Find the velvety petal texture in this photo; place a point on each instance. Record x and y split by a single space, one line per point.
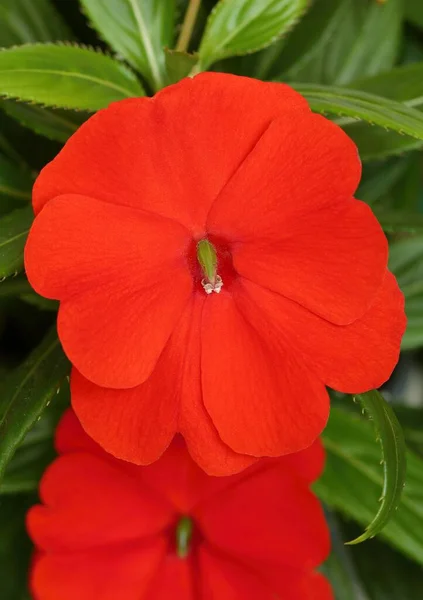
306 299
110 268
108 530
154 154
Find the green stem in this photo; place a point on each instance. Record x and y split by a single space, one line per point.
188 26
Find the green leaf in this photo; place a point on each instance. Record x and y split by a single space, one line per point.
314 31
394 221
65 76
406 260
14 286
406 263
243 26
360 38
15 186
360 105
15 547
391 437
138 30
27 392
353 479
26 21
376 43
403 84
414 12
374 143
14 229
339 567
411 419
179 64
19 287
372 571
379 178
36 451
56 124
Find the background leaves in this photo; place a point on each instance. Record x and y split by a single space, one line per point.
26 392
14 229
353 480
243 26
138 30
65 76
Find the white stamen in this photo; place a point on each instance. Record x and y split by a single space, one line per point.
212 287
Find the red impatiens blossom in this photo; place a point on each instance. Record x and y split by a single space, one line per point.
111 530
244 168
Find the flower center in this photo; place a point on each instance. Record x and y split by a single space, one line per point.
207 257
184 530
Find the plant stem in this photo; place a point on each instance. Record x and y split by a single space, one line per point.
188 26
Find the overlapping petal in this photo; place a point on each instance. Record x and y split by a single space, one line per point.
175 579
293 225
251 388
353 358
114 269
155 153
125 422
241 375
123 571
195 423
236 520
224 577
107 529
125 509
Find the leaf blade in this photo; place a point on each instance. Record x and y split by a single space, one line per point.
394 460
364 106
15 186
55 124
22 22
353 478
138 30
240 27
14 228
27 391
65 76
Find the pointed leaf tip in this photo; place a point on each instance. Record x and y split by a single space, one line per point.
394 460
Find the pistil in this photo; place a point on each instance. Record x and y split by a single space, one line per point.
207 257
183 536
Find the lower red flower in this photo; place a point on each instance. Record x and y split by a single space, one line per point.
111 530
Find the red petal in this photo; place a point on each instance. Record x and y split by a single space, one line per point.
225 579
203 441
121 572
155 153
301 234
271 516
138 424
261 398
296 584
176 477
175 580
125 509
307 464
70 436
115 270
354 358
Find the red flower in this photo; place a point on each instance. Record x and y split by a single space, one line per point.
107 529
306 300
